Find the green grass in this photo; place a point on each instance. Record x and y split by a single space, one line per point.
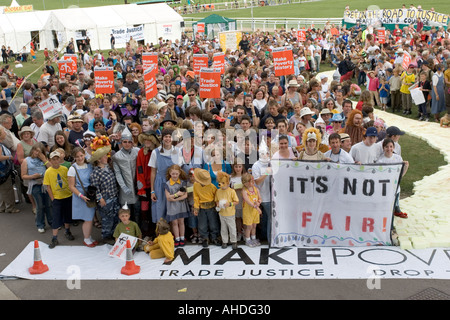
413 150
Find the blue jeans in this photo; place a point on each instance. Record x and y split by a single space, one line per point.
208 223
43 206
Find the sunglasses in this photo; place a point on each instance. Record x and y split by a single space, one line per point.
127 141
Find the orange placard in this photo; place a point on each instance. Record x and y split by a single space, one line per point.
381 35
201 27
104 80
219 61
301 35
283 61
209 83
74 59
200 61
150 83
149 59
406 60
64 67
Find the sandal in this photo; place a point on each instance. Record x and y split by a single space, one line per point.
97 224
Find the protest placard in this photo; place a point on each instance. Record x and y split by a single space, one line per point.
283 61
104 80
209 83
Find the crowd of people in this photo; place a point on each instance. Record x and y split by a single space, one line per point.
164 158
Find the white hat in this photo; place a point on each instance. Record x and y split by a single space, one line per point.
305 111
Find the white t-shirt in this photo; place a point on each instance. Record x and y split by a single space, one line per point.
259 169
72 172
341 157
364 154
47 133
164 152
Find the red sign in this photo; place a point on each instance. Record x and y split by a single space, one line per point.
73 58
209 83
104 80
283 61
301 35
219 61
200 61
150 83
149 59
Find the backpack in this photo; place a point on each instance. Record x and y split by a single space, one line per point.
6 166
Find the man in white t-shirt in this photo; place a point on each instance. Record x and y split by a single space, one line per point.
336 153
366 151
48 130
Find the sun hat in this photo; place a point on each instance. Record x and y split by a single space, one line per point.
149 135
344 136
26 129
305 111
202 176
101 146
293 83
337 117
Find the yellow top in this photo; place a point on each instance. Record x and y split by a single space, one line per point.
57 180
230 196
408 78
203 194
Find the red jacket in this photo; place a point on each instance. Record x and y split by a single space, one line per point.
143 171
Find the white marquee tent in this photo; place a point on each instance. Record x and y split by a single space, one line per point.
55 28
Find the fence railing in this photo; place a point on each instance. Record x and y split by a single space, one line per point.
271 24
215 5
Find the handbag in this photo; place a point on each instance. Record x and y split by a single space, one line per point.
91 193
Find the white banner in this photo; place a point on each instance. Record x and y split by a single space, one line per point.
332 204
122 35
396 16
193 263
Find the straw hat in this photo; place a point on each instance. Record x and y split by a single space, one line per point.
202 176
26 129
293 83
99 153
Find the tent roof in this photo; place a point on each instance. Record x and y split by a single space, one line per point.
74 19
161 12
133 14
215 18
104 16
28 21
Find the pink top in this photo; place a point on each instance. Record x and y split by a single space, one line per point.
373 84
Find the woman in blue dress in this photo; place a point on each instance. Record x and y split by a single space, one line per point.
438 92
160 160
216 164
79 180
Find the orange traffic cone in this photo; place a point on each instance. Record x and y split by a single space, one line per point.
38 266
130 267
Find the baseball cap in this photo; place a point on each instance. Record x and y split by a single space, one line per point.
394 131
179 97
54 154
371 132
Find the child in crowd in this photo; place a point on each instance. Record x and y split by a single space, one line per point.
55 179
236 184
395 82
177 204
192 220
384 92
205 207
408 79
425 87
127 226
250 209
226 200
163 246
